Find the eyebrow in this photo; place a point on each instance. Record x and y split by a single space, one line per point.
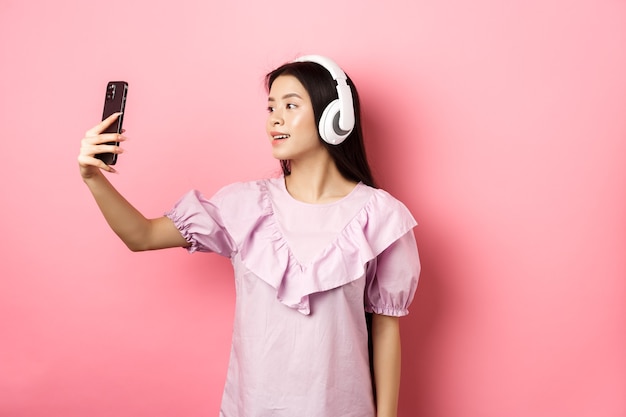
285 96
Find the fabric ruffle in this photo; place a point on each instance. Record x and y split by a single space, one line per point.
200 223
264 251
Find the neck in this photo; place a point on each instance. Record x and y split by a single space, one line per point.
317 183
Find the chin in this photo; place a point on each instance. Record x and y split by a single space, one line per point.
280 155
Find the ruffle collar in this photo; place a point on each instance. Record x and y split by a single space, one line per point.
380 222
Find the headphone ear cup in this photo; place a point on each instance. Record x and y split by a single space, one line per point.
329 128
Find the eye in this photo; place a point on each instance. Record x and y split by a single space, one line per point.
270 109
291 106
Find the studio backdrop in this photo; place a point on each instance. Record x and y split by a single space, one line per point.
501 125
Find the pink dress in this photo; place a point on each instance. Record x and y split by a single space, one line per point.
305 275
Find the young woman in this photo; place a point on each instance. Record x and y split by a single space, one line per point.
314 251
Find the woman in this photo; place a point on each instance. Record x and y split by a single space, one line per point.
313 251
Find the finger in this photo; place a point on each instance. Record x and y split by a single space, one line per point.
101 127
109 149
86 161
104 138
90 150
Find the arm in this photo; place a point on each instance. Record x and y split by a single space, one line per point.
135 230
386 347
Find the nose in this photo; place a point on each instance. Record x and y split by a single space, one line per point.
276 118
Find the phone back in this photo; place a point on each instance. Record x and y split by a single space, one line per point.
114 102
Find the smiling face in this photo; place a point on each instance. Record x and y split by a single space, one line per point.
291 126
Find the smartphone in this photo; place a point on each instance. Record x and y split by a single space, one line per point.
114 102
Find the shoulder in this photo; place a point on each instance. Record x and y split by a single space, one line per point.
242 190
385 220
241 202
383 203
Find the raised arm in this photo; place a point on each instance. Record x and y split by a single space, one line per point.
135 230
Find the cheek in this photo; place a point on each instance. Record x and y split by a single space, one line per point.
268 123
305 121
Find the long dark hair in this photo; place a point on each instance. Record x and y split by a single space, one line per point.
349 156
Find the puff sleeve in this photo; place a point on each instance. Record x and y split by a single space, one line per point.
392 278
200 222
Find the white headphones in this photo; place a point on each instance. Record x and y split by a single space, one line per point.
337 120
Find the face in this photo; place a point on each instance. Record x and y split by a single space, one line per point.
291 126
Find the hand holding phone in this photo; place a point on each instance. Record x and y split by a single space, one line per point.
114 102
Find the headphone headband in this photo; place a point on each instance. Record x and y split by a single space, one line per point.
338 118
331 66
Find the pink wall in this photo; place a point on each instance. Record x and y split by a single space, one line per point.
500 124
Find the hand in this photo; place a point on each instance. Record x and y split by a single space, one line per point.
94 143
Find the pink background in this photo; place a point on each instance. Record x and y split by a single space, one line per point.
500 124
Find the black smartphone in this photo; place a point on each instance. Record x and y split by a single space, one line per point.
114 102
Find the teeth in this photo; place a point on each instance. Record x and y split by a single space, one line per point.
281 137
